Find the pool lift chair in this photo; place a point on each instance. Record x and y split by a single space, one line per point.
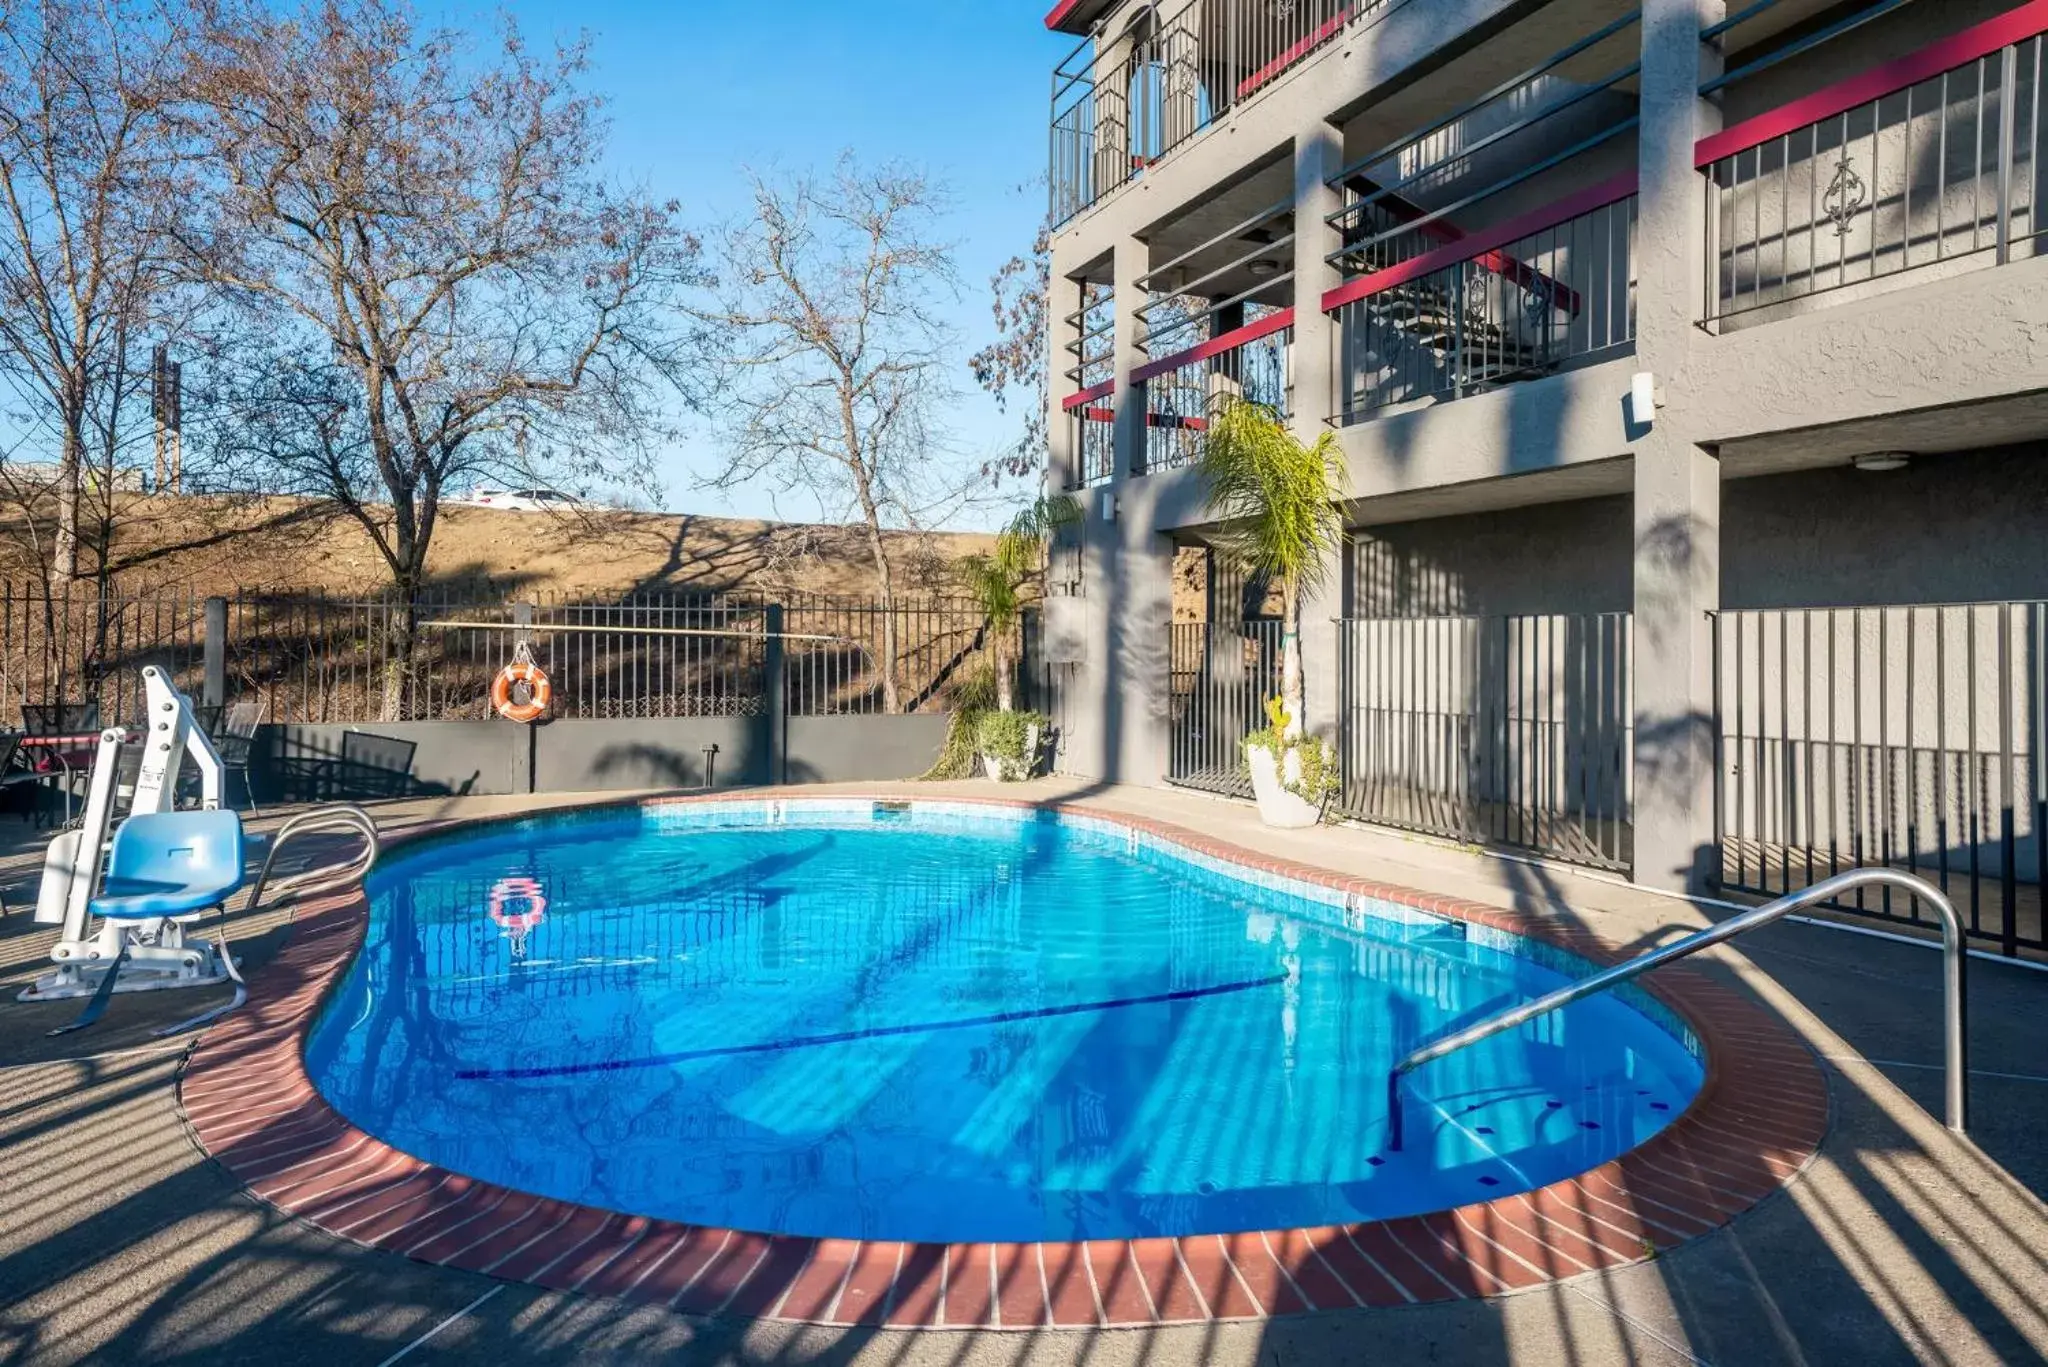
149 883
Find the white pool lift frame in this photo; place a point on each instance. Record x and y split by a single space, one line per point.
158 952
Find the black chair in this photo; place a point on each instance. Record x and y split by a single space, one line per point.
15 769
234 739
375 766
57 765
60 718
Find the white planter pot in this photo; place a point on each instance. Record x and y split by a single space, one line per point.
1013 770
1277 806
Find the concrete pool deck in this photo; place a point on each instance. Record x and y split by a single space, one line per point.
121 1241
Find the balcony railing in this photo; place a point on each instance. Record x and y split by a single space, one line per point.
1184 391
1515 302
1932 160
1093 418
1122 101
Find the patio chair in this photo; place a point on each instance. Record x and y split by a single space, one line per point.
376 766
15 769
55 765
234 739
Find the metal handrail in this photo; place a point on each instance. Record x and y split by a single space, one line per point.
315 883
1955 1047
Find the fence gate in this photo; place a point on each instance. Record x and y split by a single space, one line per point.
1497 730
1222 674
1906 737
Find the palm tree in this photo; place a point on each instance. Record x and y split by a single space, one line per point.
1277 499
996 581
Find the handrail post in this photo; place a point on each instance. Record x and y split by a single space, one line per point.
1955 1047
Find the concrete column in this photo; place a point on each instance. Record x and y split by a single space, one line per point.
1062 299
1129 263
214 689
1318 155
1677 567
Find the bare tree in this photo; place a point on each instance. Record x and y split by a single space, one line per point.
1016 360
833 357
92 173
446 286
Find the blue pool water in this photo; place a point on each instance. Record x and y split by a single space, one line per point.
955 1024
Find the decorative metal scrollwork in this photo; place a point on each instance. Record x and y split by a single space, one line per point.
1845 197
1539 297
1477 300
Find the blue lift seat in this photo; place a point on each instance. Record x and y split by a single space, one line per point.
172 864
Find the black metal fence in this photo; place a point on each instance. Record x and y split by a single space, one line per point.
1222 675
1501 730
1907 737
313 657
87 649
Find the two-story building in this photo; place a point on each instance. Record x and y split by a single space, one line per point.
1690 364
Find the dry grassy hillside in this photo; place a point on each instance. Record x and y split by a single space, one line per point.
218 544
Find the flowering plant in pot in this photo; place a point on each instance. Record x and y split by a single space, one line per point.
1291 779
1276 498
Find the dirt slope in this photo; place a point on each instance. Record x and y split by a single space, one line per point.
216 545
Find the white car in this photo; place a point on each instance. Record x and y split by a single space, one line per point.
522 500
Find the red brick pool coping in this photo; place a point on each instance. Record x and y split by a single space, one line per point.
1759 1116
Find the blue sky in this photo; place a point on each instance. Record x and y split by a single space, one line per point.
701 88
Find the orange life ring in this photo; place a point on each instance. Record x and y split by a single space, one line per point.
510 890
539 692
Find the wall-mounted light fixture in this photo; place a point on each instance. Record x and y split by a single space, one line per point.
1109 502
1876 462
1642 399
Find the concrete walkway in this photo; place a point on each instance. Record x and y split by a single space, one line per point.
121 1242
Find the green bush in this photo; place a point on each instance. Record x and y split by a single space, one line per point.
972 701
1010 735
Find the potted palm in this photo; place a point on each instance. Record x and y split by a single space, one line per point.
998 581
1275 496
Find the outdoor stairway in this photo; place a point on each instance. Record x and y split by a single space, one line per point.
1424 315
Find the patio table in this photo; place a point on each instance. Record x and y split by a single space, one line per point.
60 756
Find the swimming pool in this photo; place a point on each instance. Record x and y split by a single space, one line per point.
949 1022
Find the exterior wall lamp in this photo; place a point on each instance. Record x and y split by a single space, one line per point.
1642 399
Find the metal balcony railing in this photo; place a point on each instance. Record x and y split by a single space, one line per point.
1094 436
1931 160
1184 391
1512 303
1123 100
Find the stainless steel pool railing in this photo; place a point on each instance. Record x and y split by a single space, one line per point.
1955 1047
314 883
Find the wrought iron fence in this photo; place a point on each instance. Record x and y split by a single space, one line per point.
1499 730
1943 170
1431 327
836 648
318 658
86 649
1905 737
1122 101
1221 676
311 657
